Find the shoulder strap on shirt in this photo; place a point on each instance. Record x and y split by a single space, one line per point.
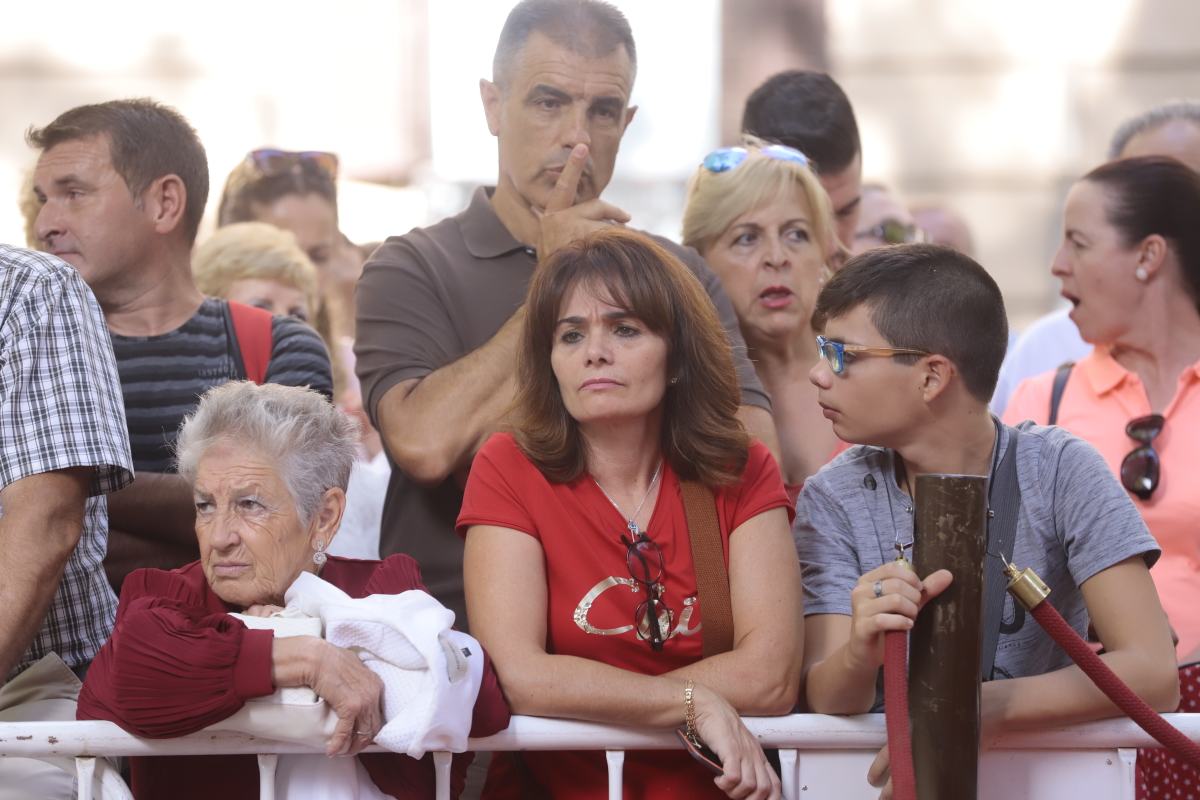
251 339
708 560
1061 376
1005 502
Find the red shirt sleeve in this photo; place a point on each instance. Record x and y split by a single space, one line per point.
493 495
760 489
173 665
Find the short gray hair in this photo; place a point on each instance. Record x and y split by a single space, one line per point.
1150 120
312 442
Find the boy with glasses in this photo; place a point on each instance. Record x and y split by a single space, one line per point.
913 340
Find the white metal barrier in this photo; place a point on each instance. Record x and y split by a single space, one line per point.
821 756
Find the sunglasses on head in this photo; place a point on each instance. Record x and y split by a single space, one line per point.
1141 468
893 231
726 158
271 162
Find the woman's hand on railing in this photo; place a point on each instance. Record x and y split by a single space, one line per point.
353 691
262 610
888 598
747 773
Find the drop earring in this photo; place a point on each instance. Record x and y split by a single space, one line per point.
319 557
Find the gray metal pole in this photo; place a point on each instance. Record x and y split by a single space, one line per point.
950 532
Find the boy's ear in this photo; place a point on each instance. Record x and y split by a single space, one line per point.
935 375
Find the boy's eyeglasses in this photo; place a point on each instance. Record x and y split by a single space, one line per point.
834 352
1141 468
893 231
727 158
271 162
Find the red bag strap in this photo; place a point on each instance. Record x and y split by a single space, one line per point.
252 330
708 559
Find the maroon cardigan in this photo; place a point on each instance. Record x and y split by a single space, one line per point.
177 662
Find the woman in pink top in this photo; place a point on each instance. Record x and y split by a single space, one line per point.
759 216
1130 265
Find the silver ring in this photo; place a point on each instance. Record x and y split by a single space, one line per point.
878 588
362 733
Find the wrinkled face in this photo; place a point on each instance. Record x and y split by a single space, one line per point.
88 217
882 208
1096 268
852 400
271 295
312 220
610 367
845 197
770 266
552 100
252 542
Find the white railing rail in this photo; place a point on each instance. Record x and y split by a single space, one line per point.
818 753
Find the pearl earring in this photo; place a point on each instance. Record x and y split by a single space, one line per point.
1141 274
319 557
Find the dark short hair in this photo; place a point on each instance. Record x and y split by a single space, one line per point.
146 141
702 437
1155 195
247 187
808 111
927 297
589 27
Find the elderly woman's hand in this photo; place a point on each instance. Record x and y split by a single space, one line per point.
353 691
747 773
262 610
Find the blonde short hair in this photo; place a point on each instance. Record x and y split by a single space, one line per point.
716 199
254 250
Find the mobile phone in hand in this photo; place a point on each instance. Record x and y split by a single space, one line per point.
701 752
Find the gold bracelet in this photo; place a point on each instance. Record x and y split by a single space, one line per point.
689 710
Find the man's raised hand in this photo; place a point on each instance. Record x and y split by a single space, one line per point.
563 221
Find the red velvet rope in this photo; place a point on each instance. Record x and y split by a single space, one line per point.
1124 698
895 699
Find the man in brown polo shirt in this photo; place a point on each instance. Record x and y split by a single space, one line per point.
440 308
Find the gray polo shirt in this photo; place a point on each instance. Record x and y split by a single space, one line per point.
432 296
1075 520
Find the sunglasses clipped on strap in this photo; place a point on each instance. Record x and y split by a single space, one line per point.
1141 468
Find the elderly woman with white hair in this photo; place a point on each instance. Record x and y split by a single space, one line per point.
269 466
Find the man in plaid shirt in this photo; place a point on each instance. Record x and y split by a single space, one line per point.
63 447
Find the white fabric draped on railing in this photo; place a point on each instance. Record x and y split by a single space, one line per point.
820 756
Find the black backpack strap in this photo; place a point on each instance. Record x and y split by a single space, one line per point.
1005 502
1061 376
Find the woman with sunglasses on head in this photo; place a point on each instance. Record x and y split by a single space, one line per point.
579 568
761 220
1130 266
296 191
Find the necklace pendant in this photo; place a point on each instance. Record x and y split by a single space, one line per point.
634 530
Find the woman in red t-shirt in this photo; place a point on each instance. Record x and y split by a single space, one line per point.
579 571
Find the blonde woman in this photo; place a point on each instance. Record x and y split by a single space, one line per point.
259 265
263 266
760 218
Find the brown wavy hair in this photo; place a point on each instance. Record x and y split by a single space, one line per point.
702 437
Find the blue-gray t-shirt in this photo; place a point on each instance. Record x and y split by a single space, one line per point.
1075 520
